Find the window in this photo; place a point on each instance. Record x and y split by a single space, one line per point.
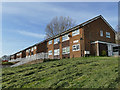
50 52
56 52
50 42
76 41
34 47
27 50
66 50
76 32
56 40
31 49
76 47
101 33
65 37
19 54
107 35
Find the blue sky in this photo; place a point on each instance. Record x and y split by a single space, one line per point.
23 23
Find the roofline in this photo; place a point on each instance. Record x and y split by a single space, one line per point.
108 24
74 28
71 29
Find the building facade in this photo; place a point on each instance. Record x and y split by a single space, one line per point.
92 37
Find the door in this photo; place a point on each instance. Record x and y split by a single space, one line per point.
109 50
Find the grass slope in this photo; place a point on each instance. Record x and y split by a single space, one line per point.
88 72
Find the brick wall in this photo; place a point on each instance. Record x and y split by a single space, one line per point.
92 33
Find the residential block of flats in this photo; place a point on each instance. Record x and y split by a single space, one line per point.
94 37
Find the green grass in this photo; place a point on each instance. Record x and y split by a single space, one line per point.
88 72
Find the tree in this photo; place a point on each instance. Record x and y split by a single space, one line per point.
5 57
118 34
58 25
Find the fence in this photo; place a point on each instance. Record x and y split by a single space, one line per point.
28 59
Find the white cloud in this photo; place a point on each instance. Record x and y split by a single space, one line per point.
32 12
26 33
60 0
39 13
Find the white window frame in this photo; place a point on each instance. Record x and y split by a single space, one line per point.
26 50
75 41
19 54
56 52
50 52
56 40
50 42
101 33
75 46
66 50
65 36
76 32
31 49
107 34
35 47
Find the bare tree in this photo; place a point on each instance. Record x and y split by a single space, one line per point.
58 25
5 57
117 34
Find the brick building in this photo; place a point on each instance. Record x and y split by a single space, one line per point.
89 38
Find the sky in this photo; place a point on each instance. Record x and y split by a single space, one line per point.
24 23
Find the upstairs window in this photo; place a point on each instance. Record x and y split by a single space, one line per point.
76 47
56 40
56 52
50 42
19 54
35 47
76 32
66 50
31 49
107 35
50 52
101 33
65 37
27 50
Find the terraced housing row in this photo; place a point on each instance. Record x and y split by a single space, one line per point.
92 37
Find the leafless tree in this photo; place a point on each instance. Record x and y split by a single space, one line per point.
58 25
5 57
118 34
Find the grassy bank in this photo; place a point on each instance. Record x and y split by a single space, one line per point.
88 72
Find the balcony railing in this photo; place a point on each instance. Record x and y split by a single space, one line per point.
28 59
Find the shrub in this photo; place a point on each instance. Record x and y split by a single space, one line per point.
103 53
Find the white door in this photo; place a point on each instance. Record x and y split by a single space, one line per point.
109 50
